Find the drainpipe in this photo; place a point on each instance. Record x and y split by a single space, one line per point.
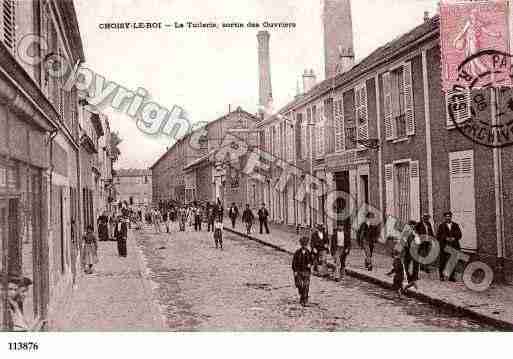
499 202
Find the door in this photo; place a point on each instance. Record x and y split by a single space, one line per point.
463 196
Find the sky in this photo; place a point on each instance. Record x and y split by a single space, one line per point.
207 71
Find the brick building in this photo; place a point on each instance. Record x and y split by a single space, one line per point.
188 171
380 131
133 186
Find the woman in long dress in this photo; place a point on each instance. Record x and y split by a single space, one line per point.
89 250
103 227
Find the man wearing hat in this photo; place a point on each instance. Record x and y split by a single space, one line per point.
301 267
448 235
425 231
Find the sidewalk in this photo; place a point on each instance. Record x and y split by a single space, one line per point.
493 306
116 297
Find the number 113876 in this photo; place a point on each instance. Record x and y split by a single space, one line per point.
23 346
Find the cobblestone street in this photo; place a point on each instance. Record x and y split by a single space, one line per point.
248 286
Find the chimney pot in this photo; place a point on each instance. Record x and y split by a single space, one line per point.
426 16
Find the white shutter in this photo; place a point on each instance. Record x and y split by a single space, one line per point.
408 99
387 107
458 103
362 113
339 125
461 170
389 189
414 191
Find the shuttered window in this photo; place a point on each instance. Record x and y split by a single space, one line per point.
8 24
362 118
402 190
399 115
414 191
461 170
458 104
339 125
389 190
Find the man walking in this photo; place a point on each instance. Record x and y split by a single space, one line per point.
448 235
366 239
247 218
233 213
301 267
340 247
263 214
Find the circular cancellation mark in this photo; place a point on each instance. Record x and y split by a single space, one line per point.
472 106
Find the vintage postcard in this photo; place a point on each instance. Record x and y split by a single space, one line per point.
255 166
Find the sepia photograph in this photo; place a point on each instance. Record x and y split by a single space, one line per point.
255 166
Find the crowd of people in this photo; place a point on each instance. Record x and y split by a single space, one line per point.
314 251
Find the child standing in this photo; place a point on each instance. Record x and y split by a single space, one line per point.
218 233
301 267
89 250
398 271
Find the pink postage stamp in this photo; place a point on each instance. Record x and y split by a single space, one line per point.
467 31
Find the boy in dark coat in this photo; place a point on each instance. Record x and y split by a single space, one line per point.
448 235
398 272
301 266
248 217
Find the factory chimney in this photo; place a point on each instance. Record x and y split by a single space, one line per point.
309 80
264 68
338 37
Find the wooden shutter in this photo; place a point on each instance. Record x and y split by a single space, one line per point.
389 189
8 24
339 125
461 170
362 119
304 142
408 99
458 103
387 107
414 191
321 138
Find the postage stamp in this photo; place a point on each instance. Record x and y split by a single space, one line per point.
480 108
467 28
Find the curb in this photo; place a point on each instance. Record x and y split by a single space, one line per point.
158 318
461 310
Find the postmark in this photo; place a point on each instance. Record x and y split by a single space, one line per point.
481 105
466 29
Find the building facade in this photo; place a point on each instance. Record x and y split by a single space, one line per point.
43 166
133 186
380 132
191 171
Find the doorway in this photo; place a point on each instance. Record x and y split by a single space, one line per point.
342 204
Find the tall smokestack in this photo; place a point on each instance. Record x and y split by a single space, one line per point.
264 68
338 37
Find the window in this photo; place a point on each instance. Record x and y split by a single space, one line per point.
361 114
402 190
398 102
298 136
458 105
339 125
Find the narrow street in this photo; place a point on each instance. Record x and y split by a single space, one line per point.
248 287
